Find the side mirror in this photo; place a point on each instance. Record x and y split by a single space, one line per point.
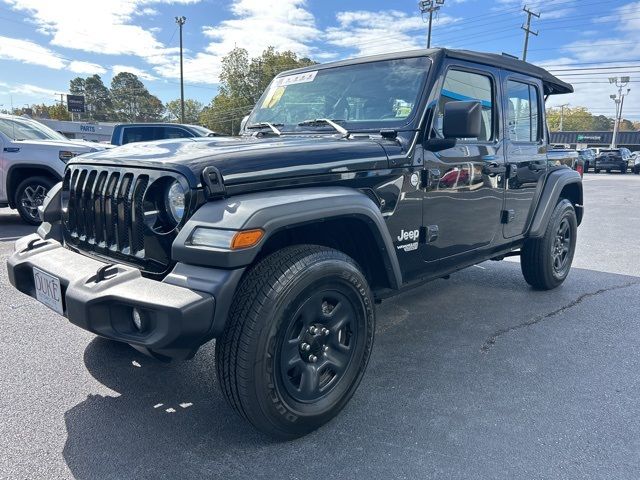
243 123
462 119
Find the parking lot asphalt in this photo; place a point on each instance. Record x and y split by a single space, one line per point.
475 377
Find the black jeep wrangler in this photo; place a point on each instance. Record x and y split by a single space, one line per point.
351 182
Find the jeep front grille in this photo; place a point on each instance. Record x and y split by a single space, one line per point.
104 213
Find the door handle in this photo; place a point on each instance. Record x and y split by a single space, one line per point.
493 168
11 149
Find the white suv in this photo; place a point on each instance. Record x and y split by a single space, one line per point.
32 160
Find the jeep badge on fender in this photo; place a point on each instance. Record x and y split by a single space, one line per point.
279 243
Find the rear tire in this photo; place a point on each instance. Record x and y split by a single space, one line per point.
29 196
623 170
636 169
297 341
546 261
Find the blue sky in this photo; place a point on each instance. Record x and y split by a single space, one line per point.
45 43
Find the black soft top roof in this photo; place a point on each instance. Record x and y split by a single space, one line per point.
552 84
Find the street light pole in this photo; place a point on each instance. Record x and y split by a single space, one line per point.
430 6
181 21
619 101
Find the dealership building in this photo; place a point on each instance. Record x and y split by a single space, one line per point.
630 140
91 131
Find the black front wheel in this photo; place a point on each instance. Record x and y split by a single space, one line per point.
623 169
297 341
546 261
29 195
636 169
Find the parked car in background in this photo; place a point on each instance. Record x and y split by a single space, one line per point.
32 160
635 157
557 157
145 132
613 159
588 156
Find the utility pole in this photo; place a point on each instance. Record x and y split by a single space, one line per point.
180 21
430 6
562 115
619 101
527 30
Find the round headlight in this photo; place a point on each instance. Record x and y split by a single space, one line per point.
175 201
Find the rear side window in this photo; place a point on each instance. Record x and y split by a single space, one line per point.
174 132
464 86
523 116
138 134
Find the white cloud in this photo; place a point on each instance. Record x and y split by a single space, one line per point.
29 52
86 68
592 88
257 24
369 32
33 91
103 27
136 71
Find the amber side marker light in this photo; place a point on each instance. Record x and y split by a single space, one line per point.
246 239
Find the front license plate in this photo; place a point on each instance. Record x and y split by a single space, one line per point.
48 290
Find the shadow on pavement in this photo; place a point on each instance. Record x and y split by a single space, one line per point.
11 225
434 402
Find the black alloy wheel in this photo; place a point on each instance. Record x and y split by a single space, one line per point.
562 248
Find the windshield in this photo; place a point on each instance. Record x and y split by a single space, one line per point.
28 130
369 95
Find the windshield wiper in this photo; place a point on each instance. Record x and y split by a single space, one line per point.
272 126
326 121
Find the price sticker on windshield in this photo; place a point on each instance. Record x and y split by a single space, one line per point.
295 79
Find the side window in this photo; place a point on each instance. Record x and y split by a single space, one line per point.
173 132
137 134
464 86
523 115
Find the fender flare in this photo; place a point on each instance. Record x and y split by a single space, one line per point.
26 166
278 210
555 182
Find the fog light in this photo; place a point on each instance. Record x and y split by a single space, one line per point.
138 319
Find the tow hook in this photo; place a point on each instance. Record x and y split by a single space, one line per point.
103 272
32 245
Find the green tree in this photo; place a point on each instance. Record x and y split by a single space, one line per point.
242 81
59 112
626 125
97 97
132 102
602 123
192 111
574 119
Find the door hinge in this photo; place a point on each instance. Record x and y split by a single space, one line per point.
508 216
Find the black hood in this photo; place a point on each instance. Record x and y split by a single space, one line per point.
248 159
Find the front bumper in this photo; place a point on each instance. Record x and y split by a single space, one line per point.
178 319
